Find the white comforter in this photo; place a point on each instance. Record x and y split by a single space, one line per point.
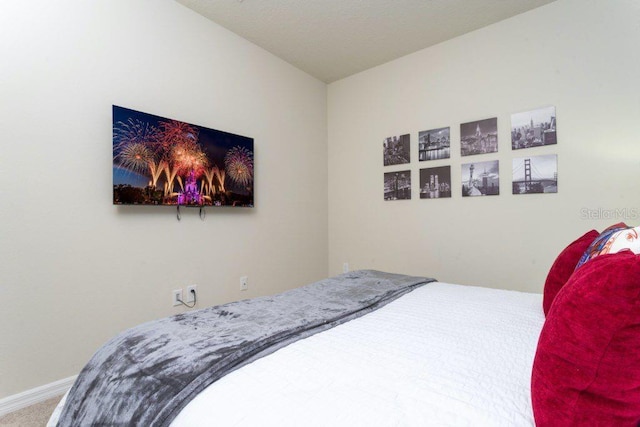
443 355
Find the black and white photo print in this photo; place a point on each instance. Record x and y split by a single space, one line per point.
481 179
396 150
435 183
479 137
535 174
434 144
533 128
397 185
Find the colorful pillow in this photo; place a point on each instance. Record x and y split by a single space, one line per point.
604 244
563 267
586 369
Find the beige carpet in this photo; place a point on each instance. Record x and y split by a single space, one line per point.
32 416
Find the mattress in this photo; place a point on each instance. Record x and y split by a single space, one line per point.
442 355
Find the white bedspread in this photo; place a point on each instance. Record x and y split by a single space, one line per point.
443 355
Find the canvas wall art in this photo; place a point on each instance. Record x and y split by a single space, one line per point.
535 174
479 137
533 128
397 185
481 179
396 150
435 183
434 144
160 161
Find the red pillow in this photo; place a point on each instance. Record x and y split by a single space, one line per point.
563 267
586 369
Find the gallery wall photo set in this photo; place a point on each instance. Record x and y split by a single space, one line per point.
396 150
535 174
533 128
435 183
479 137
434 144
481 179
397 185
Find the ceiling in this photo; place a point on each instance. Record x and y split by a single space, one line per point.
333 39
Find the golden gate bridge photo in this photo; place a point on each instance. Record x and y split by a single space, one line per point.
535 174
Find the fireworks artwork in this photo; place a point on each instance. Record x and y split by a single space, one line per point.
159 161
239 164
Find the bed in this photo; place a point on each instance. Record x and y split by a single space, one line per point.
409 363
444 354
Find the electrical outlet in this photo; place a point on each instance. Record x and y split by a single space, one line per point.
244 283
176 297
345 267
191 296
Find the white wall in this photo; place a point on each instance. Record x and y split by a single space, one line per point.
581 56
75 269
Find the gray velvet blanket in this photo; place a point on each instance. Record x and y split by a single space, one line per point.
147 374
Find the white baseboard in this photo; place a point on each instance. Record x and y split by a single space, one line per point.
35 395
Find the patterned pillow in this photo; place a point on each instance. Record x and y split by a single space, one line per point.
614 239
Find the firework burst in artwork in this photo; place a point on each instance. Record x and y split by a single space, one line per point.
134 146
239 165
187 157
173 132
134 131
136 157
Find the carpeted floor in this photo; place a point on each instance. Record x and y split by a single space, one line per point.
32 416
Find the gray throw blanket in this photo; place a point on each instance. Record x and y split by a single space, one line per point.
147 375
